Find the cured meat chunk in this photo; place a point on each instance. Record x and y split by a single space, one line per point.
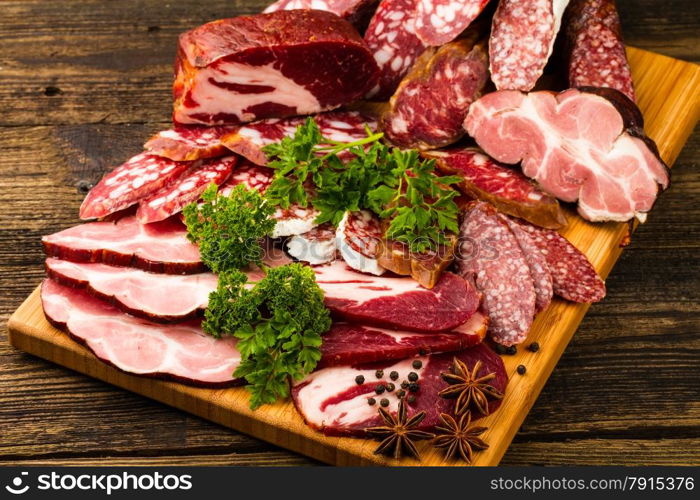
537 262
352 344
253 176
426 268
162 298
172 198
429 107
341 126
188 143
124 186
161 247
280 64
181 352
396 302
316 247
356 12
490 255
441 21
522 39
595 48
505 188
574 277
391 37
358 239
582 144
332 402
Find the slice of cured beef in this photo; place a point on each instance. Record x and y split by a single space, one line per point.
332 402
356 12
317 246
429 107
490 256
124 186
251 175
180 352
279 64
396 302
341 126
352 344
441 21
595 48
183 143
582 144
505 188
391 37
574 277
161 247
358 239
162 298
522 39
171 199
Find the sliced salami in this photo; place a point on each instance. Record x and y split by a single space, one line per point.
358 239
441 21
391 37
188 143
596 50
317 246
251 175
172 198
331 401
356 12
573 276
490 255
432 101
522 39
342 126
294 220
505 188
139 177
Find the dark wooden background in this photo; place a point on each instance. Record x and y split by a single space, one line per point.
83 83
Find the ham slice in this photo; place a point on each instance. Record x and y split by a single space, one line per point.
180 352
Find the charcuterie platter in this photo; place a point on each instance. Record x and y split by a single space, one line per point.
389 282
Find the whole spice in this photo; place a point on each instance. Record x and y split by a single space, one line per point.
511 350
379 373
417 364
413 376
521 369
379 389
459 437
394 375
399 432
384 402
390 387
413 387
534 347
469 388
371 401
360 379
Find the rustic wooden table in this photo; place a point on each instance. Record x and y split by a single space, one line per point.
82 83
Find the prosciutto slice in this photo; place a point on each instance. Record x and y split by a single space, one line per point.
181 352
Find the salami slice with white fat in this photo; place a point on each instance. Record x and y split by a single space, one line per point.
574 277
356 12
317 246
250 175
294 220
522 39
490 255
441 21
188 143
139 177
358 239
391 37
172 198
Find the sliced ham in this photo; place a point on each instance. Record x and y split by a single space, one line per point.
180 352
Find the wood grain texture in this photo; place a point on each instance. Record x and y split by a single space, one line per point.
625 391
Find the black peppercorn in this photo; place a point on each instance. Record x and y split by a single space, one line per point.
404 384
534 347
422 352
411 399
379 373
400 393
371 401
384 402
511 350
417 364
413 387
413 376
500 349
390 387
360 379
379 389
521 369
394 375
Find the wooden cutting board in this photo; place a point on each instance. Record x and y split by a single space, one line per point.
669 95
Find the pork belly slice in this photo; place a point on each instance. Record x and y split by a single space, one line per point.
332 402
586 145
179 352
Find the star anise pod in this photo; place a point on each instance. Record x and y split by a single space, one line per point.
468 388
399 432
459 437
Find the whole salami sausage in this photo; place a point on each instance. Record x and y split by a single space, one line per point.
441 21
595 48
522 39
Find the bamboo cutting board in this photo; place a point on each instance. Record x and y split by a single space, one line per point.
669 95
